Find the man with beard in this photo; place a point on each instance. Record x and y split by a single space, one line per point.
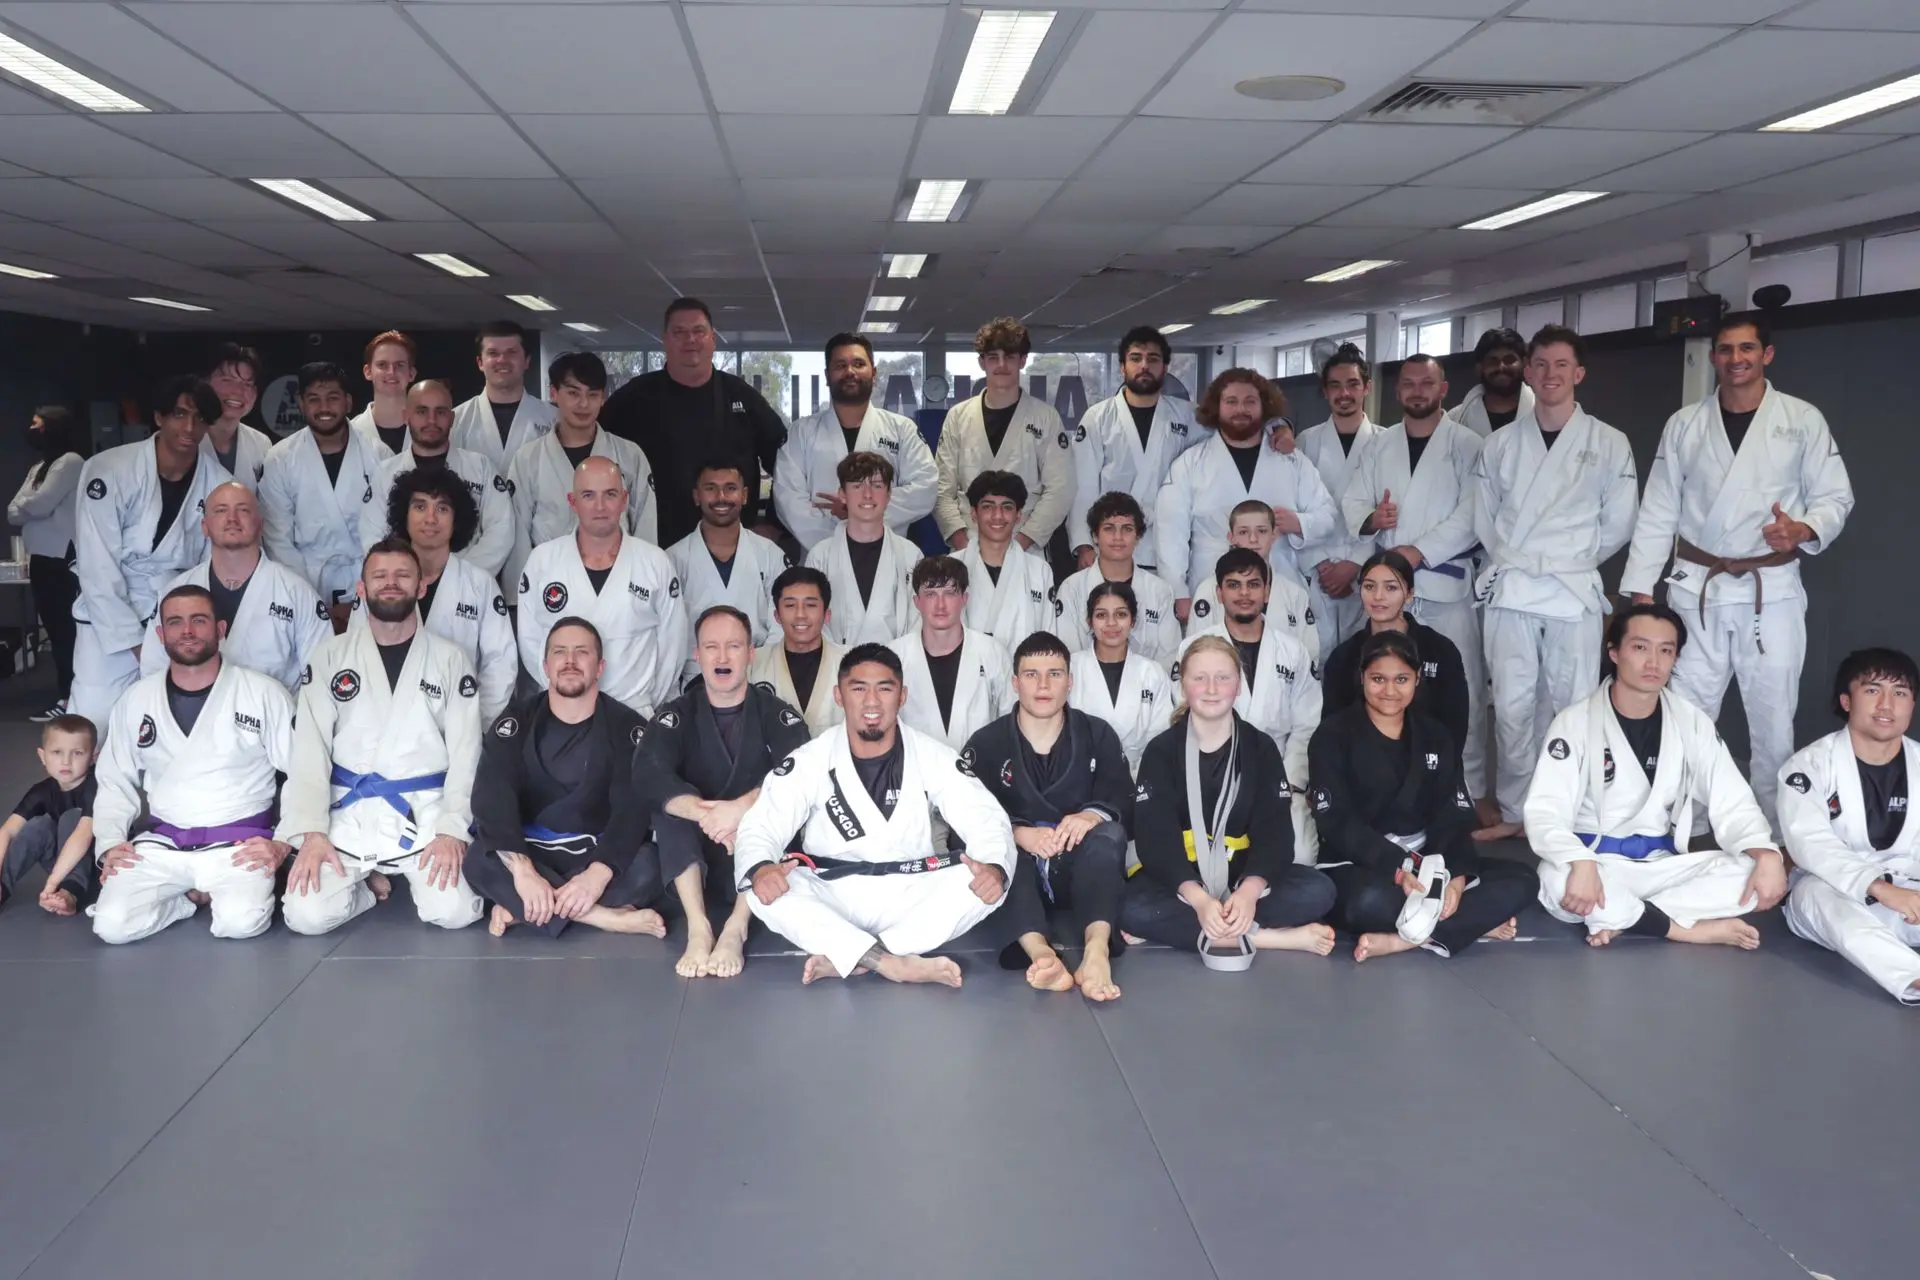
316 483
1502 394
270 618
136 524
868 892
1127 444
196 748
721 563
389 370
429 427
806 489
557 838
241 449
802 603
1334 447
1191 512
690 411
699 768
499 421
384 755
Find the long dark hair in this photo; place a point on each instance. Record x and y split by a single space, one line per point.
55 439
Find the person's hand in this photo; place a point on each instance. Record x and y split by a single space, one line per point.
1888 895
1456 889
1784 533
536 895
118 858
1768 883
316 851
341 612
1074 827
1641 597
1026 543
1408 882
989 881
1041 842
1584 892
1181 608
1212 916
1336 577
1285 522
1412 555
581 894
1280 437
721 821
1236 913
831 503
1386 513
769 882
1084 557
441 861
57 901
959 540
258 853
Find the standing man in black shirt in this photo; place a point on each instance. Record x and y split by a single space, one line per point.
690 411
502 418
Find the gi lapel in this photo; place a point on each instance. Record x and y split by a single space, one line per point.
1545 481
1851 824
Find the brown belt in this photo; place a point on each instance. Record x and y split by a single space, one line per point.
1738 566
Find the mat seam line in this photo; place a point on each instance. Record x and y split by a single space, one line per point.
653 1124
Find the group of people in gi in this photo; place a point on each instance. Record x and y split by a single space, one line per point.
443 642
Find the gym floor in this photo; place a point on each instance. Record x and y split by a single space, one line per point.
395 1102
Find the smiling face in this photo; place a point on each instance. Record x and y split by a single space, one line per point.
181 427
1243 594
719 495
1740 359
326 405
429 522
1553 371
801 613
579 404
188 631
871 696
1111 622
1388 685
996 517
1209 682
866 498
690 343
1383 595
1878 709
390 584
1241 412
1422 389
238 389
1346 390
390 370
1501 370
503 363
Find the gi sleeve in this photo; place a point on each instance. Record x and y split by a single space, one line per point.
535 624
1270 823
1621 499
1303 711
643 513
769 826
769 433
785 729
100 546
278 730
1558 792
793 505
1362 495
1089 465
116 799
1810 835
1345 833
306 798
276 492
1112 783
491 546
1732 811
1825 488
521 476
950 499
1166 635
1160 820
1659 518
373 512
628 824
916 481
499 660
498 781
461 726
1173 524
969 809
313 621
1047 510
1453 704
61 480
676 645
662 752
1319 518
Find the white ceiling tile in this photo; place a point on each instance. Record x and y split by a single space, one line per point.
1391 8
438 146
246 144
1011 200
198 198
533 237
390 198
1089 199
1184 236
940 237
822 266
656 198
42 238
604 146
1007 146
1431 207
185 242
626 58
1600 52
1857 174
1116 58
52 200
1728 12
1162 150
153 67
802 146
841 60
507 199
860 199
1557 157
1258 203
1855 15
423 237
796 235
294 239
1336 242
1378 153
1732 159
71 147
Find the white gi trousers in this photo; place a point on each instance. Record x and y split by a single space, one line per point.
139 901
1335 618
1875 938
1767 664
1459 621
1538 666
99 677
342 897
843 918
1689 887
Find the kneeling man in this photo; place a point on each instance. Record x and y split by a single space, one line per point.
868 892
1611 804
195 747
557 839
1843 806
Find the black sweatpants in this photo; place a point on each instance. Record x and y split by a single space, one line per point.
1299 895
1370 902
489 877
38 845
1086 880
54 588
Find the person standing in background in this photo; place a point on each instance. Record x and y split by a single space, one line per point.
1336 447
503 417
389 369
1502 394
235 379
44 511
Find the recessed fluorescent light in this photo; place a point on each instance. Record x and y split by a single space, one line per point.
1351 270
581 326
885 302
312 197
878 326
905 266
1538 209
1004 45
58 78
1849 108
25 273
1174 328
1240 308
532 301
451 265
169 302
933 201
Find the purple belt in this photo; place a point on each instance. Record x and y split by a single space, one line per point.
190 838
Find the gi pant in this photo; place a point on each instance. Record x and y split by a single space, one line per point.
1686 887
1335 618
681 845
1767 666
1875 938
1370 902
491 878
1524 652
342 897
38 844
843 919
1087 880
99 677
1459 622
139 901
1148 909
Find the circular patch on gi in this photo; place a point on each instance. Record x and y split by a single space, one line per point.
668 719
1201 608
345 686
554 596
1800 782
306 672
1079 434
500 483
789 717
500 605
149 732
1063 440
784 768
96 488
1558 749
506 727
524 584
639 733
964 761
1006 773
321 611
673 587
469 686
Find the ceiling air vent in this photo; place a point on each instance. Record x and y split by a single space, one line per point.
1477 101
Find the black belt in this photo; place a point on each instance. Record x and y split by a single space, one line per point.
835 868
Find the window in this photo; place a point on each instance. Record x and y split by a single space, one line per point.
1536 315
1813 274
1669 288
1296 363
1434 337
1613 307
1891 263
1481 321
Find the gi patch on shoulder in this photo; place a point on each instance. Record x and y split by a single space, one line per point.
500 482
321 611
1833 805
1309 615
1558 749
1201 608
1321 801
1313 666
1142 793
790 717
766 686
668 719
784 768
1460 800
524 584
306 672
96 488
1079 434
1146 695
1606 766
1800 782
1006 773
673 587
345 686
149 732
554 596
964 762
639 734
1038 434
506 727
500 605
469 687
1062 441
1058 608
1433 760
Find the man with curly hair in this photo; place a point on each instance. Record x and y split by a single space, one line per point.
429 446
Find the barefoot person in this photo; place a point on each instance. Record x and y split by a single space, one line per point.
868 891
1442 691
1128 690
1213 825
1062 778
1611 806
1395 820
557 837
699 768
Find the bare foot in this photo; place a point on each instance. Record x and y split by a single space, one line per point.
816 968
1601 937
693 962
1317 938
500 921
59 902
1380 944
921 969
1133 941
1505 932
380 885
1720 933
729 954
627 920
1048 972
1500 831
198 897
1095 976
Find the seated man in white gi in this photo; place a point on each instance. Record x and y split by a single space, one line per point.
1012 593
1610 808
429 427
868 892
196 748
721 562
958 678
384 755
802 597
1843 806
866 561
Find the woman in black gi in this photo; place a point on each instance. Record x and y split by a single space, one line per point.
1385 587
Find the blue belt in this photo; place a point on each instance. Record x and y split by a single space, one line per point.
373 786
1635 847
576 844
1445 568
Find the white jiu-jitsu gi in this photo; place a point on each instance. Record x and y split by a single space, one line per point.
280 620
1546 518
474 428
1156 627
469 609
1037 448
1824 818
982 687
757 561
250 448
644 632
770 668
363 423
1289 607
1192 512
1471 412
313 523
1591 801
1142 708
220 775
382 769
924 902
815 445
1338 618
1016 606
492 541
1436 516
1753 626
884 614
540 479
1109 458
122 560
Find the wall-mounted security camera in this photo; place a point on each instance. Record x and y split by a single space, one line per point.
314 339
